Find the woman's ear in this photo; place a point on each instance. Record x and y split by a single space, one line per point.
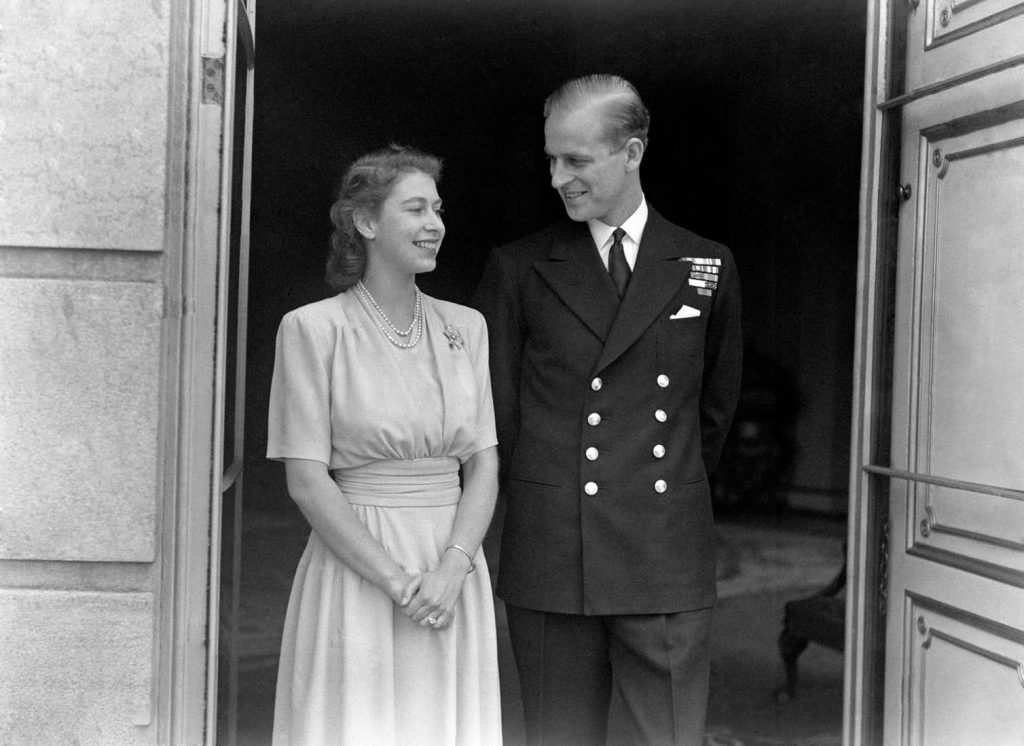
365 225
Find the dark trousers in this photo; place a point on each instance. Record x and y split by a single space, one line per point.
630 679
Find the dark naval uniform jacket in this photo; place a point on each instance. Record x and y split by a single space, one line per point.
610 417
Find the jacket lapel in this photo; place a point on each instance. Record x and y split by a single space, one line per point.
575 273
657 277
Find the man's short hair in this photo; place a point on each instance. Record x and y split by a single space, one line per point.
625 113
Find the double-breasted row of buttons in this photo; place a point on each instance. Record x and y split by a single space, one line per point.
591 488
597 383
594 419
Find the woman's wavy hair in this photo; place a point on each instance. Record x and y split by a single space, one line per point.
364 187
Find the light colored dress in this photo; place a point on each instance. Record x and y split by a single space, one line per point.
393 425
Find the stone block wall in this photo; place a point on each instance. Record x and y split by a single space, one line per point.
85 90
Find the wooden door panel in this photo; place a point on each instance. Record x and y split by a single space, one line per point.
956 581
970 528
939 434
971 271
964 674
949 20
973 274
946 38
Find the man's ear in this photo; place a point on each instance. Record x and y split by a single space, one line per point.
365 225
634 153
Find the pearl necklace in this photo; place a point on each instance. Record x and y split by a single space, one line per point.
416 323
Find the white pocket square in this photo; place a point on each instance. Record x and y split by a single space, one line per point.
686 312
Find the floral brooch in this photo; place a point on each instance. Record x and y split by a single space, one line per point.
453 337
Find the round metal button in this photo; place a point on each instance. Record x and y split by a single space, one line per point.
660 486
590 488
663 381
594 419
660 415
591 454
659 451
596 384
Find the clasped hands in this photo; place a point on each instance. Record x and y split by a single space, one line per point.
429 598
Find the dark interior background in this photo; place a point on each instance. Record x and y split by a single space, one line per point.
755 142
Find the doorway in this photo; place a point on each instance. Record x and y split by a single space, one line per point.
755 142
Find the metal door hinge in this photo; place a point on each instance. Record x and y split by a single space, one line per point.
213 80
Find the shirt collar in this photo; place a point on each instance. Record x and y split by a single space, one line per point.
633 226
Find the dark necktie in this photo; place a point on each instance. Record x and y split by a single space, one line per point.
618 267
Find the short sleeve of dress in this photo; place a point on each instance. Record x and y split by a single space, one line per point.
486 434
299 422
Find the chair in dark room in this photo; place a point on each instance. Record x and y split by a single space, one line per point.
820 618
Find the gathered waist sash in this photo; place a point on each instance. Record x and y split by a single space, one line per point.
421 482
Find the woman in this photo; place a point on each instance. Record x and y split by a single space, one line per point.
379 395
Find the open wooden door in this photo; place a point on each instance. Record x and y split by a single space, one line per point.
219 312
233 311
937 506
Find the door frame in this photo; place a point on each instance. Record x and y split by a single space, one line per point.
229 45
198 523
232 315
868 539
197 301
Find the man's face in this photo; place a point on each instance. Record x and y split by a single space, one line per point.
591 175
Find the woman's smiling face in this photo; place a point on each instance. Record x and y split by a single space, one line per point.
406 236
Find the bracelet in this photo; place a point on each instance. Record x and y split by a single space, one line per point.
456 547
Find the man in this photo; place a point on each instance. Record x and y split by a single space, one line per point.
615 359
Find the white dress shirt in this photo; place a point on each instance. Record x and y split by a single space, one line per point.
634 228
